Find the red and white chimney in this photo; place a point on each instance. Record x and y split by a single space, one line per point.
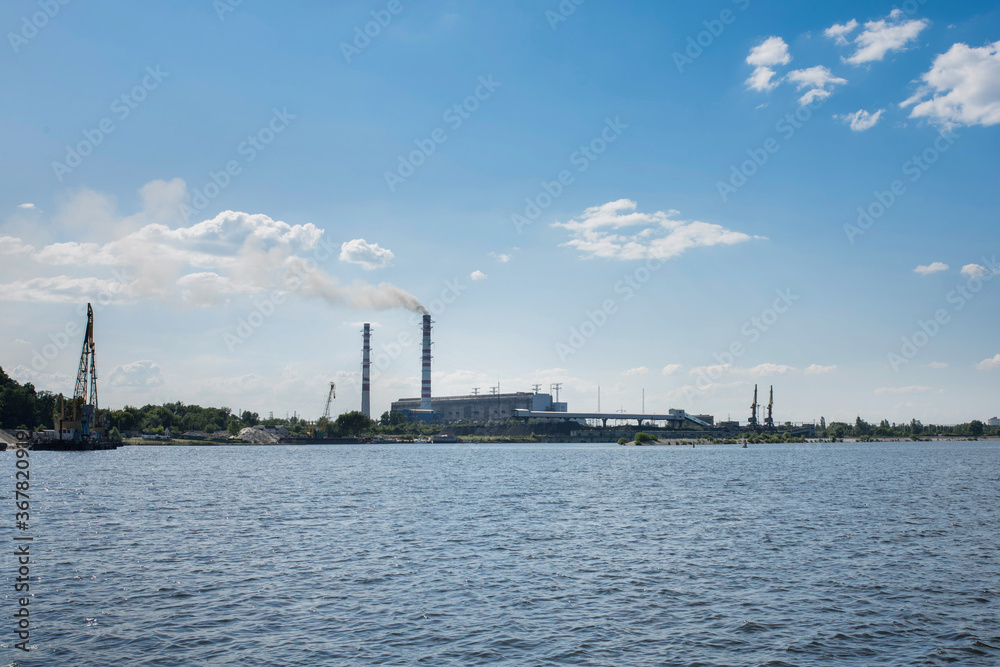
425 379
366 365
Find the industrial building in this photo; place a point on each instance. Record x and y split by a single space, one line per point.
994 421
480 407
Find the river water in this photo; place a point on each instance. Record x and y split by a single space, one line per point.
845 554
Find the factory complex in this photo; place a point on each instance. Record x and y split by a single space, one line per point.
536 405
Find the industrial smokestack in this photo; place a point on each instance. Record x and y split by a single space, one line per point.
425 380
366 355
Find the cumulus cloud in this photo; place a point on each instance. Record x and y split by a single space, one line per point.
760 370
915 389
839 32
142 373
861 120
772 51
937 365
27 205
616 231
816 369
761 80
54 382
878 38
369 255
974 271
478 275
500 257
10 245
641 370
820 80
197 264
766 370
670 369
989 364
934 267
961 88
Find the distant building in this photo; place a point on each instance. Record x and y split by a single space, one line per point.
995 421
483 407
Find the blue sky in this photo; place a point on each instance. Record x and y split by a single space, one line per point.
613 194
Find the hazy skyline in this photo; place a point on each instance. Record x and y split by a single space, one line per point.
690 200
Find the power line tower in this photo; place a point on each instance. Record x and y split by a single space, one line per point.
555 387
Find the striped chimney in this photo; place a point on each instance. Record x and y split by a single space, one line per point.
366 365
425 378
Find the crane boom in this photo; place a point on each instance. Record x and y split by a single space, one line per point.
329 399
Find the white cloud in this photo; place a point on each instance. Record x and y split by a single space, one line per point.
963 85
369 255
772 51
861 120
670 369
641 370
974 271
54 382
659 235
934 267
500 257
478 275
902 390
198 264
761 80
816 369
10 245
61 289
839 32
818 79
766 370
142 373
760 370
989 364
937 365
888 34
27 205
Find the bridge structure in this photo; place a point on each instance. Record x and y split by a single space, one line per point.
673 418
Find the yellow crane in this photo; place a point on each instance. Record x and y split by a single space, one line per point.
325 419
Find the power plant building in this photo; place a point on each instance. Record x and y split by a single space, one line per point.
482 407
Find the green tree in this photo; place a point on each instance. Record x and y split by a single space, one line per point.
353 423
976 428
233 426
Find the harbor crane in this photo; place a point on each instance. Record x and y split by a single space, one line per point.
329 399
752 422
769 419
